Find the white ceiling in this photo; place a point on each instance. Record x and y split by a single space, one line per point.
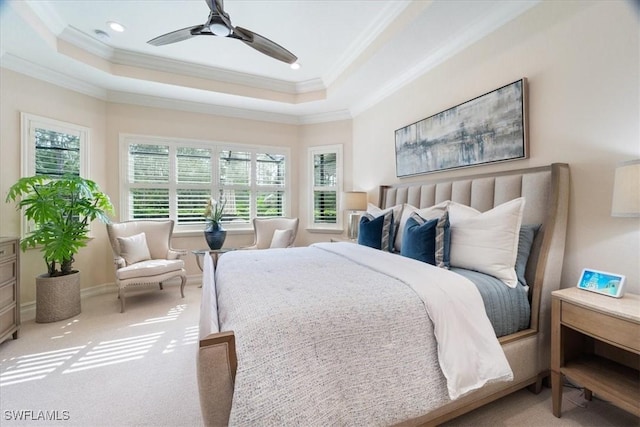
352 53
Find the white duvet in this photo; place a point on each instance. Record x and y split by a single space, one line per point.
341 334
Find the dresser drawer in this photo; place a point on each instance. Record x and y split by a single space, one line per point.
8 320
607 328
7 294
8 271
8 250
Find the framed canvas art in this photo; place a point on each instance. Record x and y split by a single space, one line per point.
487 129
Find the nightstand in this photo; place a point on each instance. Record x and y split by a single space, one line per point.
595 341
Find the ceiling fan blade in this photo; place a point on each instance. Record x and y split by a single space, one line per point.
177 36
216 6
264 45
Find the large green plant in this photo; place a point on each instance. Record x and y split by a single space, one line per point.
61 209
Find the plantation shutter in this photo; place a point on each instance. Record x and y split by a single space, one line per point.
325 191
235 184
149 179
193 187
270 180
56 153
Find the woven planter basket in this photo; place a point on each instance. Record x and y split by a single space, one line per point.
57 298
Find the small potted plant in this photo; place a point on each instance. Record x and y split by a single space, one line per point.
214 234
61 209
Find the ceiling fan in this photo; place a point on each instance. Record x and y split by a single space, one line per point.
219 24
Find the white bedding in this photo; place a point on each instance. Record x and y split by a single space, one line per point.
329 340
459 319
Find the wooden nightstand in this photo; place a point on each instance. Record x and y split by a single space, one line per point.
595 341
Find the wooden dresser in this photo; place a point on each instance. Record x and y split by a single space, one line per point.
9 287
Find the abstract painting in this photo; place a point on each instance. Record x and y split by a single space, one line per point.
487 129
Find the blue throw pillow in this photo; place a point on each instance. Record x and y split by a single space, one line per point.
527 235
419 239
376 232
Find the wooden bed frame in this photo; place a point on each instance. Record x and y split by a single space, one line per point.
546 191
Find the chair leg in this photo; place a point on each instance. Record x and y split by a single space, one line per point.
121 296
161 288
184 281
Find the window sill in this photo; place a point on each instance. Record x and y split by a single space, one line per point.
325 230
198 233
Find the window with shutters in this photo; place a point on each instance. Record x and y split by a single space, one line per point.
170 178
326 181
52 147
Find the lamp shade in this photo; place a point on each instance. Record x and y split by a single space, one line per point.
354 200
626 190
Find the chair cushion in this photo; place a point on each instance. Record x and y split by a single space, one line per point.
134 248
153 267
281 239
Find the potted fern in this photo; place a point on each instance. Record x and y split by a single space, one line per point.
61 209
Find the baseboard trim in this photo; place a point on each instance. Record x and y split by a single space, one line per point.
28 309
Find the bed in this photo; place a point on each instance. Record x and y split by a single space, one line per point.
355 335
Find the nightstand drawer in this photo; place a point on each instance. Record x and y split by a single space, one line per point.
607 328
8 250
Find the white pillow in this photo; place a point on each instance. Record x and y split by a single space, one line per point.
433 212
134 248
281 239
487 242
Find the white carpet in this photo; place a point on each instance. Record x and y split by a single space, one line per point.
104 368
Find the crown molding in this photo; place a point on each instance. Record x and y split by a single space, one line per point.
141 60
86 42
22 66
333 116
386 17
47 14
198 107
465 39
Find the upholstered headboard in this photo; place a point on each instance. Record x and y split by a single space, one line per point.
546 193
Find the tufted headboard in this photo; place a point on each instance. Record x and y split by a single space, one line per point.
546 193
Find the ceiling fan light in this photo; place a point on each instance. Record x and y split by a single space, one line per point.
295 66
218 28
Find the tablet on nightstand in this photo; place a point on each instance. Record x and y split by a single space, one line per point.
609 284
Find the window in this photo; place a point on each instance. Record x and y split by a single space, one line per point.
52 147
326 181
175 178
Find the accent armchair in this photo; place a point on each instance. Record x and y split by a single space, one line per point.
274 232
142 254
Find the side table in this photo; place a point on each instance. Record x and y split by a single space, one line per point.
215 254
595 341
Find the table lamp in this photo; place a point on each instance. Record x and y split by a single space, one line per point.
626 190
354 201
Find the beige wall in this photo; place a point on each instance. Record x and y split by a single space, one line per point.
24 94
581 60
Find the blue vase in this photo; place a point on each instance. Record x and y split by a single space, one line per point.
215 235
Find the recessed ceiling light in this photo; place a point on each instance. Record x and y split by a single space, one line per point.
115 26
102 35
295 66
